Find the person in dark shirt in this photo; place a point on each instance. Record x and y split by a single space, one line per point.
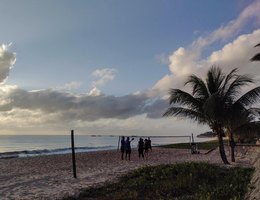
149 143
141 148
128 148
122 148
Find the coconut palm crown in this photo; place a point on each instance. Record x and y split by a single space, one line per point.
211 101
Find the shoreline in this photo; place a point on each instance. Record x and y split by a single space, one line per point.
45 144
47 152
51 177
67 150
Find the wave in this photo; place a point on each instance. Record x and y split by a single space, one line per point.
27 153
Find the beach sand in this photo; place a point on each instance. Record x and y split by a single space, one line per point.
254 192
51 177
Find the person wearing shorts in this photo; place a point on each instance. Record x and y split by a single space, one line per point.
128 148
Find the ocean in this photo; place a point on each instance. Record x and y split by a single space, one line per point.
36 145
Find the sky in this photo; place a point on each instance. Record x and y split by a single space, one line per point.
106 66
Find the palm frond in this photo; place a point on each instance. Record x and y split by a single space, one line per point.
251 97
254 111
185 113
238 115
214 80
184 98
229 77
215 108
255 57
235 87
257 45
199 89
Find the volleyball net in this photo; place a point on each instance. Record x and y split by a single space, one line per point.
164 140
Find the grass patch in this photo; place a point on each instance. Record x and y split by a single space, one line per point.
184 181
202 145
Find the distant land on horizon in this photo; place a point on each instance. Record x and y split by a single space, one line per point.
208 134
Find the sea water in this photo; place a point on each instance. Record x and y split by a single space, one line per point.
35 145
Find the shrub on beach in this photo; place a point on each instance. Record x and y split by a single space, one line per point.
179 181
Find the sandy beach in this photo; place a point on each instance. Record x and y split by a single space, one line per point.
50 177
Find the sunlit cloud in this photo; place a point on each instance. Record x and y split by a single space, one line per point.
186 61
95 92
103 76
235 54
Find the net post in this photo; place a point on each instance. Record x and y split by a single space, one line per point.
190 144
192 138
73 155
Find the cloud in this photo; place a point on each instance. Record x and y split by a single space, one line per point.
7 60
186 61
59 109
55 111
63 110
235 54
103 76
238 54
95 92
76 107
251 12
70 86
5 100
156 108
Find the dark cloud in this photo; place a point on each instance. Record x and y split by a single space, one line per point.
85 107
156 108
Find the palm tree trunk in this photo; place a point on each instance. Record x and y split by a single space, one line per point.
222 149
231 144
232 147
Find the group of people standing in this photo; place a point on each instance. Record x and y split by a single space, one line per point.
143 147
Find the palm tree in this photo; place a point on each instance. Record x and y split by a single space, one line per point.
257 56
211 100
239 115
241 121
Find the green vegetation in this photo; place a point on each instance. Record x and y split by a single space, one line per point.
201 146
180 181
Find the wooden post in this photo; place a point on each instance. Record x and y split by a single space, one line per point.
73 155
192 138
